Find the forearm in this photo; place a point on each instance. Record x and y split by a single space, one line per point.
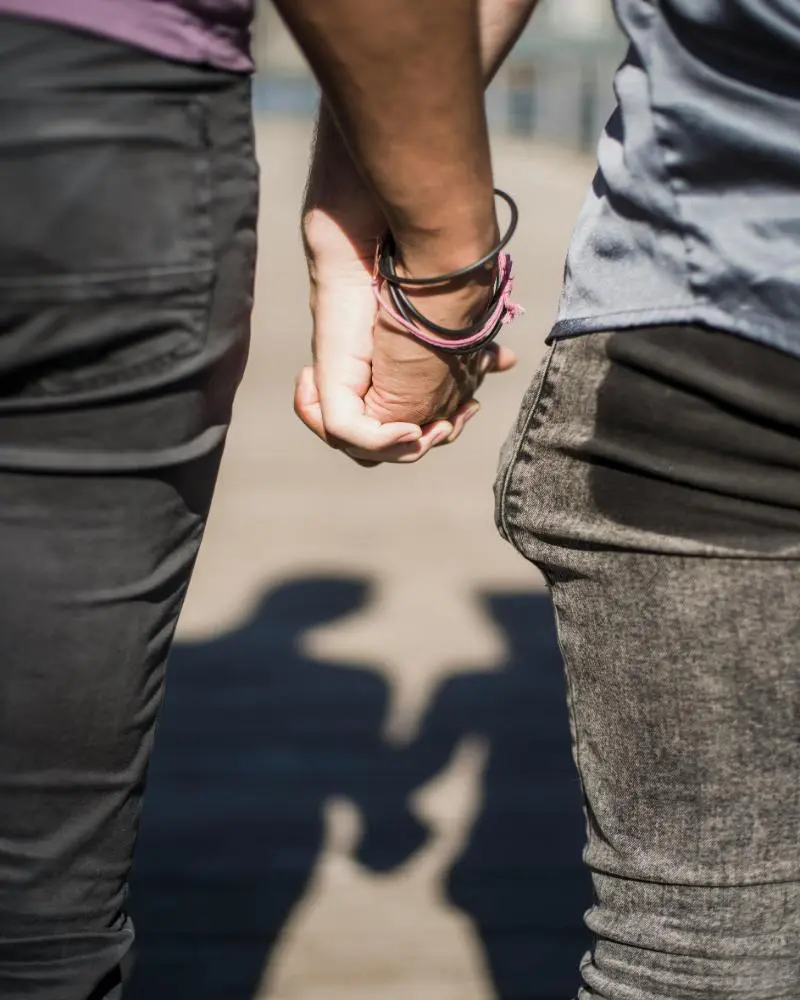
501 24
404 82
334 178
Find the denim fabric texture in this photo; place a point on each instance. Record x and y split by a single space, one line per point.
127 250
654 478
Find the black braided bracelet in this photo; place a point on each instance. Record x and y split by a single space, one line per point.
404 305
388 272
413 317
499 310
476 343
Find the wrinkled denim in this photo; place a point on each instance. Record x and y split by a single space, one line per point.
654 478
127 249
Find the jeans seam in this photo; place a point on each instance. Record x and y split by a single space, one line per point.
513 462
551 584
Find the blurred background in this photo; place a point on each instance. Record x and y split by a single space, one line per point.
363 785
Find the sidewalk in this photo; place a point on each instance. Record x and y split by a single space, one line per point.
376 797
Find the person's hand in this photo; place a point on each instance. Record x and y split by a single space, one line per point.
330 396
373 391
411 381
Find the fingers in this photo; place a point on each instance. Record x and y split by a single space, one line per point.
362 432
436 435
306 403
461 418
343 317
496 358
341 383
345 420
406 454
442 432
345 425
308 409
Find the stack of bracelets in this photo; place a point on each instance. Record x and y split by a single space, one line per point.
499 312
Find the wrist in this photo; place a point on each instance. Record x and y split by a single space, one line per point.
449 227
456 302
448 249
468 238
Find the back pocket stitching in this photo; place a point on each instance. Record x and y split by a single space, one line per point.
136 283
142 278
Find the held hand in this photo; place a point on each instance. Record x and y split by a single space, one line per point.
330 397
374 391
411 380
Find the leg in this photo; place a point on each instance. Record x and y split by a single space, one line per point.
126 266
655 479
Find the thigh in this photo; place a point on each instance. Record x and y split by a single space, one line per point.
655 483
126 269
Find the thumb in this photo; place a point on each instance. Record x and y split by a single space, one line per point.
343 316
345 416
343 376
497 358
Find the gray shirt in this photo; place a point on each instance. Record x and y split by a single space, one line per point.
694 213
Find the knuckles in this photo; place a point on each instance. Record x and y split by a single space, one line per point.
400 408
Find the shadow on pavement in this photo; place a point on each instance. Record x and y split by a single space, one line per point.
255 737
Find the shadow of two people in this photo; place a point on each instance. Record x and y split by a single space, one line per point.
255 737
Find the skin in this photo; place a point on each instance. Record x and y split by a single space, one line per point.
404 82
401 144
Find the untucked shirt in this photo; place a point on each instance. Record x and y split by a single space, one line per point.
214 32
694 213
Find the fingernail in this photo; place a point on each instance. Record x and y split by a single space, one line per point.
441 436
409 437
471 411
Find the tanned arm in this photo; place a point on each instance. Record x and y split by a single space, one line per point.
404 81
347 207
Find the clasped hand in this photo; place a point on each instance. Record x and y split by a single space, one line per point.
373 391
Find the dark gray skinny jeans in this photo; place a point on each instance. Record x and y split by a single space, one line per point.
654 477
128 193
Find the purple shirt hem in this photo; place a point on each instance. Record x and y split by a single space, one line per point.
161 27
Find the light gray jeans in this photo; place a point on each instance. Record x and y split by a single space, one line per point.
654 478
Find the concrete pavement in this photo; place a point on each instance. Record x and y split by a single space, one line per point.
362 786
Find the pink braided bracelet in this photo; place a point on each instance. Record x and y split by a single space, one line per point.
504 312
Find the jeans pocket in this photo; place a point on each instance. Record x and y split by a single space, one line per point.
106 247
509 455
